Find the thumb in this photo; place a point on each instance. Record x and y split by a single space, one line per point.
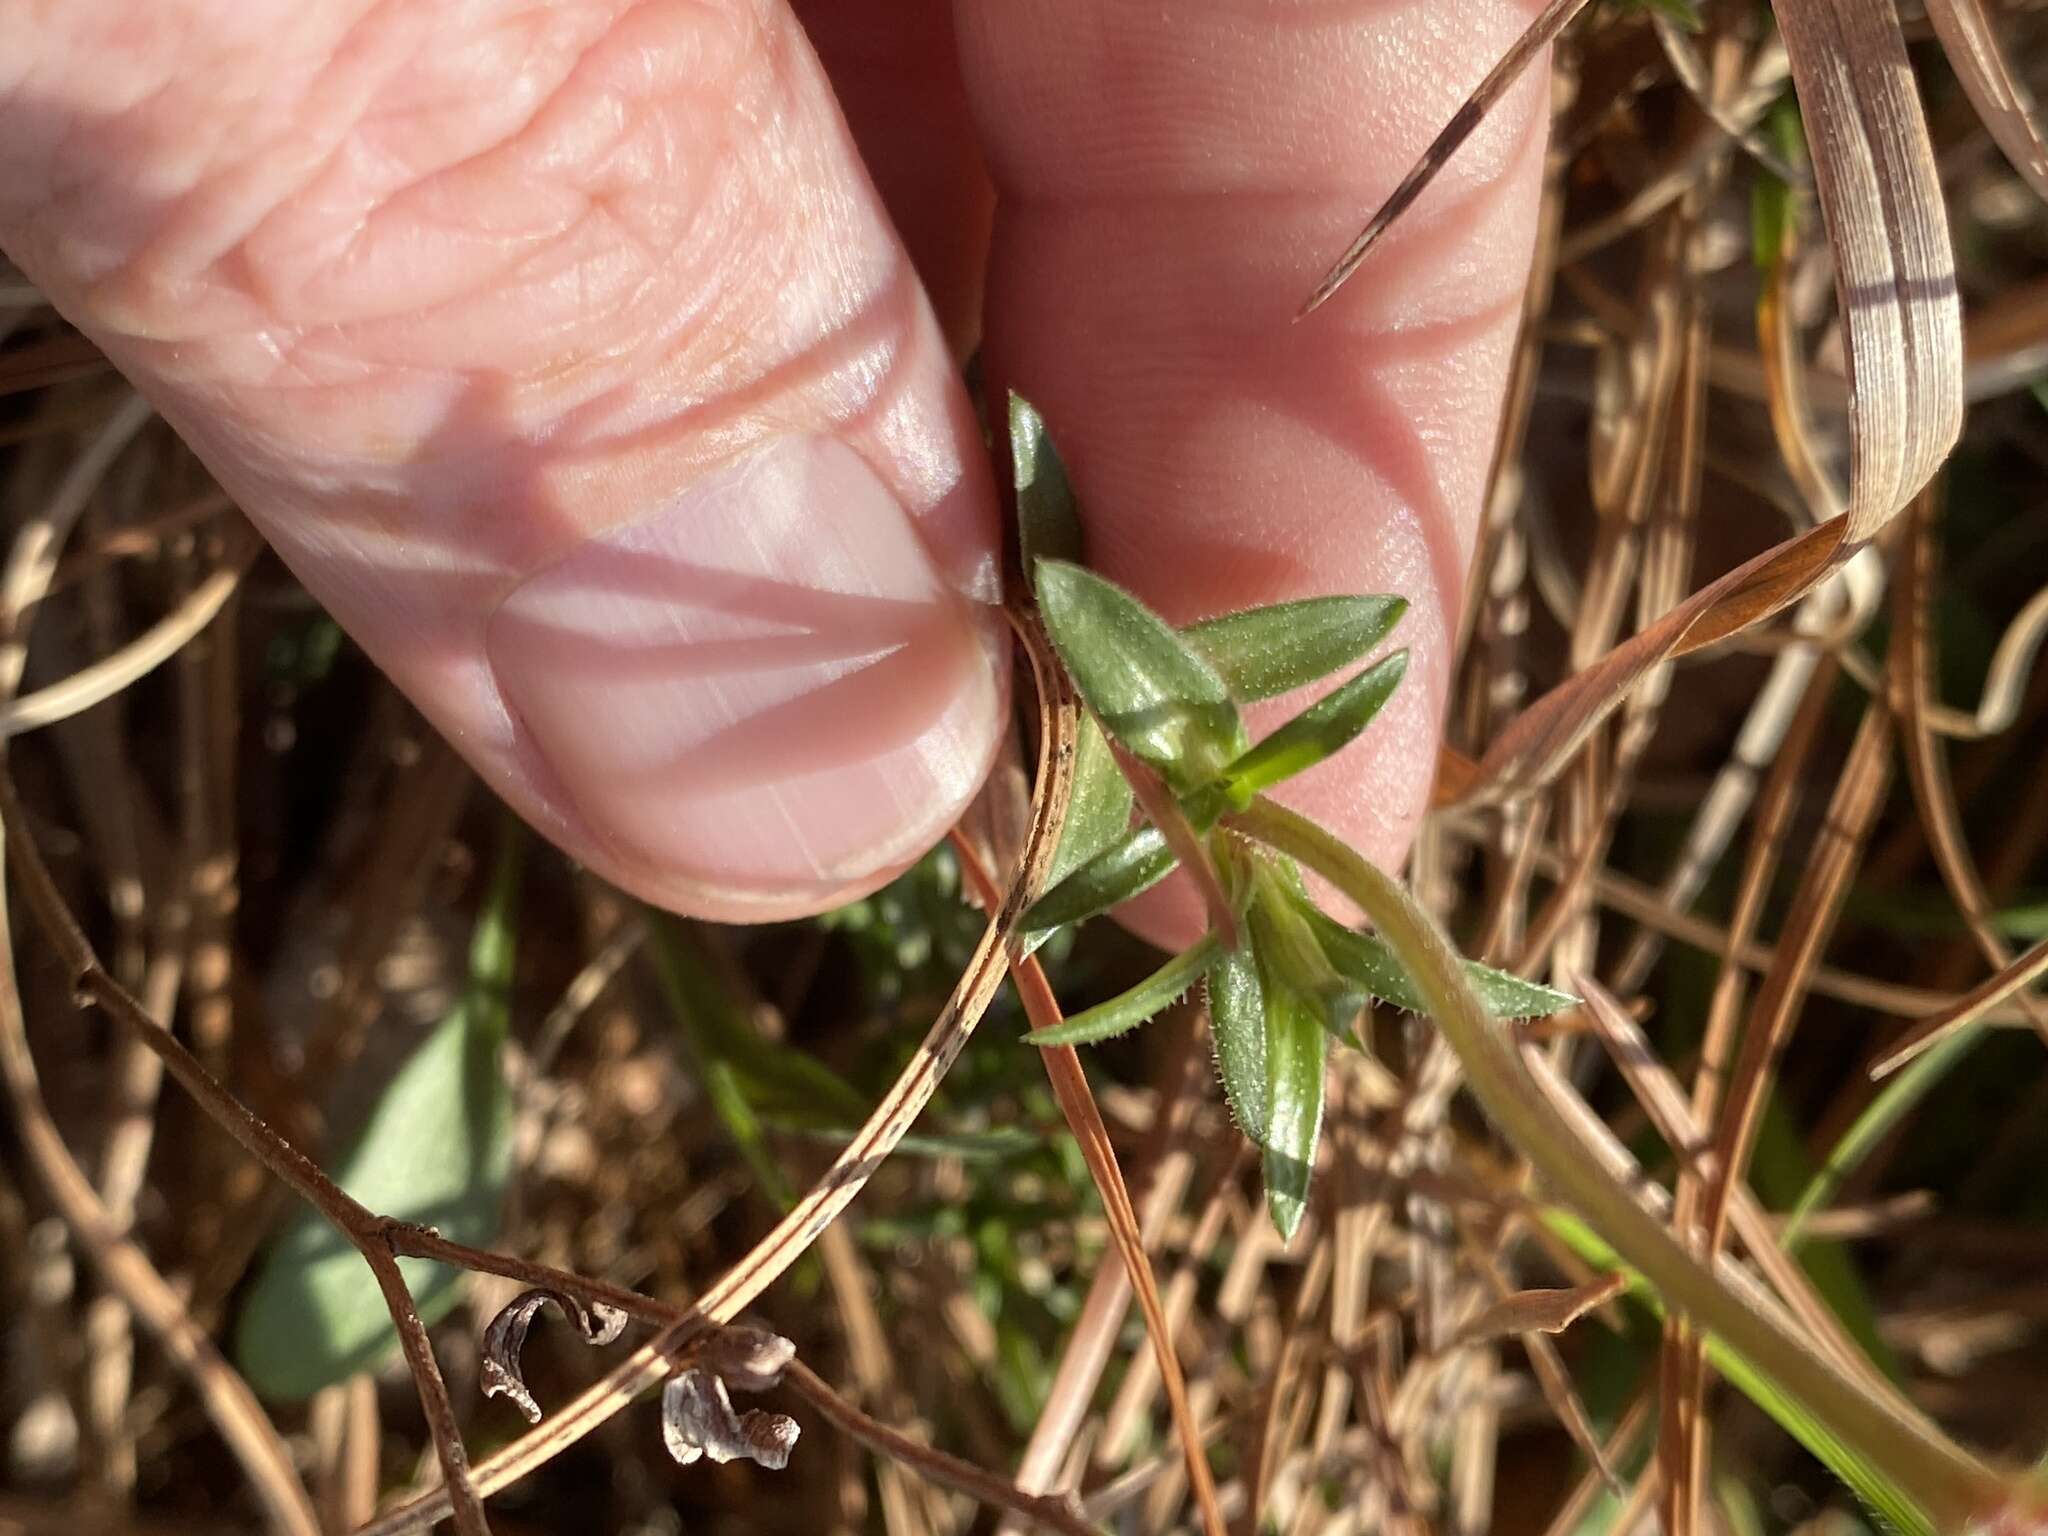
566 354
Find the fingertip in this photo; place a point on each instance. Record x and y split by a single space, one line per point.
763 697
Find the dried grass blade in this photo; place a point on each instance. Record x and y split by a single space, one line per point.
1967 1009
1926 764
1541 32
127 1271
1987 78
1859 795
1077 1102
1895 282
1546 1311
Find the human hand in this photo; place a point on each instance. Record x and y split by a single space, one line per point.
570 354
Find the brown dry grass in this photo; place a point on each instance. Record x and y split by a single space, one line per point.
1782 855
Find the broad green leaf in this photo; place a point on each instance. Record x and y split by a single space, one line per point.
776 1080
1265 652
1048 519
1136 862
1152 690
1128 1010
1322 730
1237 1031
1270 1052
1099 813
1368 960
436 1150
1297 1048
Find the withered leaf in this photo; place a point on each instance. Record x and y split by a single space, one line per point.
1540 1311
505 1339
697 1421
748 1359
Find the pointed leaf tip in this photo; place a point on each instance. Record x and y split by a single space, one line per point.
1321 731
1136 862
1297 1051
1048 516
1265 652
1126 1011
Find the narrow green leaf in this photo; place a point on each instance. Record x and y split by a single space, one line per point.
1297 1048
1322 730
1880 1116
1265 652
1128 1010
1048 518
743 1128
776 1080
1773 205
1099 813
1153 691
436 1150
1369 961
1289 953
1779 1168
1237 1032
1136 862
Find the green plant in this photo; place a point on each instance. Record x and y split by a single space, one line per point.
1283 978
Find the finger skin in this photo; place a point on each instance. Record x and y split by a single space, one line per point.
442 291
1167 197
894 65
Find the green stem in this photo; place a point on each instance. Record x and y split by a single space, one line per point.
1952 1485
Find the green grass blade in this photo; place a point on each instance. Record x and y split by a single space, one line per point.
1860 1475
1894 1101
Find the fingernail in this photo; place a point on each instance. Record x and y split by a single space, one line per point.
764 692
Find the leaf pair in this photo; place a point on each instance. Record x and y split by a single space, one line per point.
1170 698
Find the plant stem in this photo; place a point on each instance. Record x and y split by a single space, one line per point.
1952 1485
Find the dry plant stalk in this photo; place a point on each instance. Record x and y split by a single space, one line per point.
1874 170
